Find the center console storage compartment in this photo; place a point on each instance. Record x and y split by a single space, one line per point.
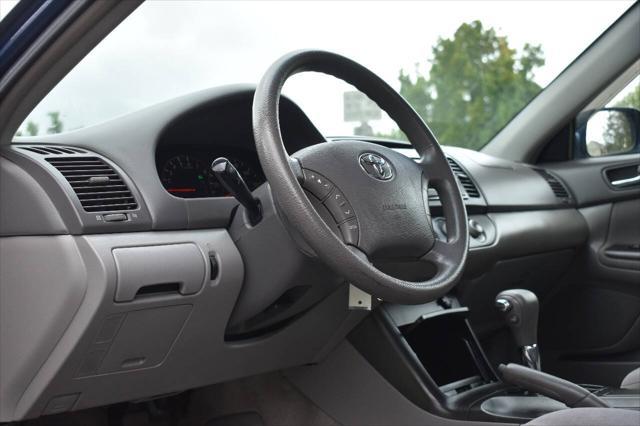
448 351
430 354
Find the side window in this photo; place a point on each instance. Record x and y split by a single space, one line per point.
612 130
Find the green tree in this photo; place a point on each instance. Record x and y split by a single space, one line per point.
56 123
32 128
631 100
475 85
617 134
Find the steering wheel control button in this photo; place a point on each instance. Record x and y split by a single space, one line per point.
317 184
339 198
376 166
350 231
339 207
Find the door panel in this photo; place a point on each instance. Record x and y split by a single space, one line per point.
590 326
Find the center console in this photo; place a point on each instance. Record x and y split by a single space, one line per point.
431 355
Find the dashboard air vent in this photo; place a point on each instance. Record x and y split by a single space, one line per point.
556 186
98 185
53 150
464 179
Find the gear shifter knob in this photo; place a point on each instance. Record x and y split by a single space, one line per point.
520 310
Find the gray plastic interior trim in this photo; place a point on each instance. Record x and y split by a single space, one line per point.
588 182
74 340
138 267
507 185
607 226
615 87
529 232
523 407
130 142
349 389
601 63
37 307
631 380
25 206
67 203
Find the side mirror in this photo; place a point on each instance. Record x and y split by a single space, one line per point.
607 131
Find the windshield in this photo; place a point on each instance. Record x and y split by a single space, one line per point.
466 67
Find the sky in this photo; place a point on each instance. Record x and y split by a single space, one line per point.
169 48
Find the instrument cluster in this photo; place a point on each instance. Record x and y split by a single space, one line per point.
186 173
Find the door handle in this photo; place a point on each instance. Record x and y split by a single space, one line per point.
627 181
623 176
628 252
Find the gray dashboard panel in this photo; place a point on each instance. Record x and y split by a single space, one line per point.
37 307
507 185
503 184
530 232
587 181
130 142
65 201
25 207
74 317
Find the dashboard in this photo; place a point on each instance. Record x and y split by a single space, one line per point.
179 269
167 169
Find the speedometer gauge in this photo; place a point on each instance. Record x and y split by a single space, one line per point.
185 176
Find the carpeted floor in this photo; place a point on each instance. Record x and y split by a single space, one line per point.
265 400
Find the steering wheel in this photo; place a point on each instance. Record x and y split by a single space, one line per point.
377 196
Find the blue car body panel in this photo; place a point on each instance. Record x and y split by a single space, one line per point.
21 27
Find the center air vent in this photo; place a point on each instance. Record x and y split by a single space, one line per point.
98 186
464 179
558 188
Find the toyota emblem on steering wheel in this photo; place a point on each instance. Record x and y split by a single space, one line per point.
376 166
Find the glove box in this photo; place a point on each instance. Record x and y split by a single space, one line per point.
158 270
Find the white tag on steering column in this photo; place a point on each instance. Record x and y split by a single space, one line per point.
358 299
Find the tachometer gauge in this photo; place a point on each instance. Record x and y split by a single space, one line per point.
185 176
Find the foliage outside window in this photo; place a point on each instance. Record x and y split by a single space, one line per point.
466 67
476 84
610 132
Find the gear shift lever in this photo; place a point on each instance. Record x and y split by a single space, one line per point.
520 310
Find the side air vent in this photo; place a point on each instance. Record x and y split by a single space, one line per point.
98 185
53 150
556 186
464 179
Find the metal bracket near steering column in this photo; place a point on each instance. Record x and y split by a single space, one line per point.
358 299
